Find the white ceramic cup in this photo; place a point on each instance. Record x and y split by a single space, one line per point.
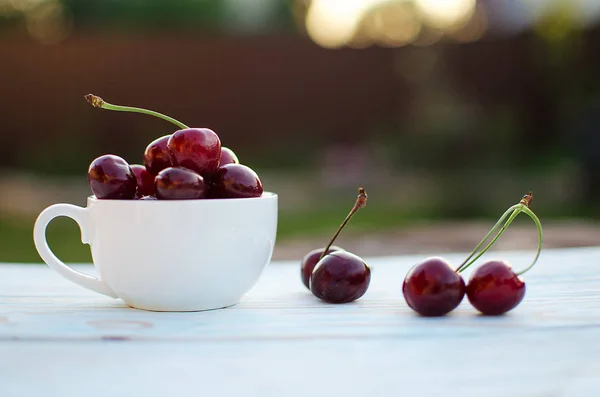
170 255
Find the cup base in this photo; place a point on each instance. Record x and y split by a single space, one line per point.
180 310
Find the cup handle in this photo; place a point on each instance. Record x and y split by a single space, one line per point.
81 216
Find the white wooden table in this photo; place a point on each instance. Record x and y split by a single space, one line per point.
57 339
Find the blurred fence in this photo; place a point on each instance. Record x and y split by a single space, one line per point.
507 100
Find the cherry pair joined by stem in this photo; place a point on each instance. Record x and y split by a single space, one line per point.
333 274
188 164
434 288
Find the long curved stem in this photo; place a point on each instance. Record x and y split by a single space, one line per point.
361 202
500 232
98 102
523 206
538 224
492 230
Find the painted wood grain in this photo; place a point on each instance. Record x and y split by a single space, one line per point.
56 339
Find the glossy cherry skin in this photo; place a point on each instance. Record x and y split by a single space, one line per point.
433 288
494 288
178 183
110 177
156 155
228 157
236 181
145 181
310 261
340 277
198 149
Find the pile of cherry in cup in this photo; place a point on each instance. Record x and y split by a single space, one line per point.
432 287
188 164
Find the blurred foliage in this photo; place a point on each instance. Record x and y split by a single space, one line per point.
151 15
146 14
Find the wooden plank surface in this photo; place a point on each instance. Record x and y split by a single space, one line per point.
57 339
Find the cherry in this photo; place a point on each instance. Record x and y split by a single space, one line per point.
145 181
340 277
235 181
198 149
494 288
110 177
310 261
228 157
177 183
433 288
156 155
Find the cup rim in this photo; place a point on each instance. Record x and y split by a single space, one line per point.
265 196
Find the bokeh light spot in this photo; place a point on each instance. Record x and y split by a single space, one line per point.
48 22
446 13
392 24
333 23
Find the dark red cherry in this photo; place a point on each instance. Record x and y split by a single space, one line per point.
146 198
494 288
177 183
236 181
145 180
433 288
198 149
310 261
110 177
156 155
228 157
340 277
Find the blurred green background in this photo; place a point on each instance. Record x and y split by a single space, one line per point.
446 111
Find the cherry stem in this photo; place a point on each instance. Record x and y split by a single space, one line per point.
500 232
523 206
361 202
98 102
538 224
492 230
